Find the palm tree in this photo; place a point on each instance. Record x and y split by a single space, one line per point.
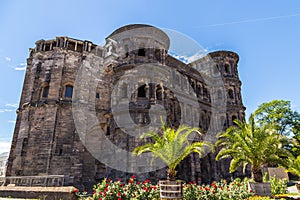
172 146
248 143
295 167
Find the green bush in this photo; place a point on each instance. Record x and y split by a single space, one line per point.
116 190
236 189
278 186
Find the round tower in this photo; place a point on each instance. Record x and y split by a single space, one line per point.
226 63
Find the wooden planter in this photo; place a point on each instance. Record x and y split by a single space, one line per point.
170 189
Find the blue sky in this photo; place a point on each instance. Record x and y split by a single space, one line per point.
265 34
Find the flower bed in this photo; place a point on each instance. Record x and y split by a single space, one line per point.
133 190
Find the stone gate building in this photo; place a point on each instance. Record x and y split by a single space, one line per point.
46 142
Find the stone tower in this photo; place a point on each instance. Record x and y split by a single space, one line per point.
47 140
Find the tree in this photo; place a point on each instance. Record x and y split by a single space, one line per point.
249 143
280 114
172 146
295 167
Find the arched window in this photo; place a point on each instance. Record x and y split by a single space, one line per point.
69 91
141 52
142 91
233 118
126 51
45 91
230 93
226 67
158 92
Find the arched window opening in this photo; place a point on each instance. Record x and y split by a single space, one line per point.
233 118
227 71
141 52
230 93
69 91
142 91
126 49
97 95
45 91
108 130
158 92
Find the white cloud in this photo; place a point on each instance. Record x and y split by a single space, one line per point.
4 146
20 68
5 110
8 59
14 105
11 121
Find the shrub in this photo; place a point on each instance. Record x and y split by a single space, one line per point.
278 186
236 189
110 190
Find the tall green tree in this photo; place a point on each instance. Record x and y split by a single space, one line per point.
172 146
280 114
250 143
294 168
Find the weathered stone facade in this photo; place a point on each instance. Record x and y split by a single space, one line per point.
46 139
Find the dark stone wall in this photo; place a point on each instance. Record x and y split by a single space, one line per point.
46 142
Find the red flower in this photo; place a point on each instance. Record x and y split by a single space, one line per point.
108 180
76 190
133 176
130 181
118 194
120 180
119 198
147 181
